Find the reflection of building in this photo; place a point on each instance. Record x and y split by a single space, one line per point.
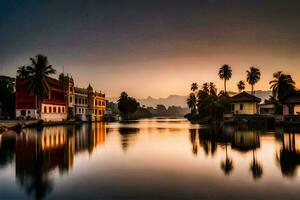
246 140
39 152
89 136
244 104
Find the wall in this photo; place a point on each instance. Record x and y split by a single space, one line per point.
248 108
54 117
32 114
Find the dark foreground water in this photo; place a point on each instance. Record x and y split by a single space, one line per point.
150 159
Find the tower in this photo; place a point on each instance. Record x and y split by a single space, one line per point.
68 84
90 102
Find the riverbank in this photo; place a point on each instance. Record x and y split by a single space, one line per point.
17 125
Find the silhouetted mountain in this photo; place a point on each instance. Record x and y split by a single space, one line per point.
171 100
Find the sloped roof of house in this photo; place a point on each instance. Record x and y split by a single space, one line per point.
292 97
244 97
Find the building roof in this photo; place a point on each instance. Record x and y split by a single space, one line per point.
244 97
292 97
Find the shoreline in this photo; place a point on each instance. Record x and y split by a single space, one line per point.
17 125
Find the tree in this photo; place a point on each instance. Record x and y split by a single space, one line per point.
22 72
7 97
191 102
225 73
39 70
212 88
205 88
253 76
127 105
282 84
194 87
241 86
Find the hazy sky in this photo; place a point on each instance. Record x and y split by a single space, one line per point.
153 47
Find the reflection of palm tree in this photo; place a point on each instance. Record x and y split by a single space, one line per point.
36 184
288 157
126 138
256 168
193 141
227 165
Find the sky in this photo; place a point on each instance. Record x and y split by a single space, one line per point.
152 47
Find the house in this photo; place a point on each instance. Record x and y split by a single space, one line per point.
267 109
291 103
244 104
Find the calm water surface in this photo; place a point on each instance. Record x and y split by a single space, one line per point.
150 159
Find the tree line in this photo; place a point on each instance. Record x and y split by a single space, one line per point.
204 101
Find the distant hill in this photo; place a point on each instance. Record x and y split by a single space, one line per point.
171 100
180 100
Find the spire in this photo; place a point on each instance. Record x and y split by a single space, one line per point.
90 87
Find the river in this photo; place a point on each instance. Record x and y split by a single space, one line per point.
150 159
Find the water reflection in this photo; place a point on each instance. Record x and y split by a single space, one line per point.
38 154
151 159
241 139
127 136
289 154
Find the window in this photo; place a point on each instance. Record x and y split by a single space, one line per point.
71 99
241 106
50 109
76 100
63 109
59 109
54 109
28 112
96 102
45 109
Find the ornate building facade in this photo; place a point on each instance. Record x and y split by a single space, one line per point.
64 101
53 107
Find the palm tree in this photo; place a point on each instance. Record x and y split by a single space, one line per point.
191 102
22 72
194 87
39 70
212 88
253 76
225 73
241 86
205 88
282 84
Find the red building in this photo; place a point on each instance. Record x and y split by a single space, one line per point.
53 107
